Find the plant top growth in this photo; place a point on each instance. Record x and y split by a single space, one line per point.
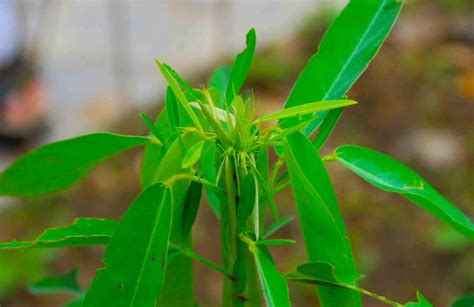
210 141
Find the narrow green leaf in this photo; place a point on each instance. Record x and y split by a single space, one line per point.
327 127
83 232
422 302
275 289
178 92
58 165
308 108
241 67
275 242
135 259
464 301
323 228
172 109
391 175
344 53
156 133
278 225
193 155
66 283
153 152
208 170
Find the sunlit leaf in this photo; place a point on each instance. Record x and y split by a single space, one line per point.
135 259
58 165
323 228
241 67
178 92
192 155
391 175
308 108
344 53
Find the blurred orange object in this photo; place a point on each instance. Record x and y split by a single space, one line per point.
466 84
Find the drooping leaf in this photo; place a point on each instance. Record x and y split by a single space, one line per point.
56 166
66 283
323 228
135 259
464 301
275 289
345 51
327 127
83 232
192 155
307 108
391 175
422 302
241 67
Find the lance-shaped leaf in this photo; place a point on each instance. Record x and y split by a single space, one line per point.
275 289
391 175
58 165
241 67
192 155
345 51
308 108
135 259
83 232
178 92
323 228
153 152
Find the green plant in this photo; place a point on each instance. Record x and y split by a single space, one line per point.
209 140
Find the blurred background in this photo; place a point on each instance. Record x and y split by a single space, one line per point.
71 67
